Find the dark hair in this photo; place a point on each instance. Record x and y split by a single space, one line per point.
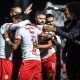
49 15
40 13
74 8
18 16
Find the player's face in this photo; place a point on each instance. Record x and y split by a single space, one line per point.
41 19
15 11
50 21
16 20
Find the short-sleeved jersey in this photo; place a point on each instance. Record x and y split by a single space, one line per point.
51 50
26 35
10 26
5 51
46 53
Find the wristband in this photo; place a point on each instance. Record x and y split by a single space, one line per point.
7 39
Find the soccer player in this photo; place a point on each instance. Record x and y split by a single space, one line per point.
31 62
48 53
6 51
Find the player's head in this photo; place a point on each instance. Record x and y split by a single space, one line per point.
17 18
49 19
15 10
40 18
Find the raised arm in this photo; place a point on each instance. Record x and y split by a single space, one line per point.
28 9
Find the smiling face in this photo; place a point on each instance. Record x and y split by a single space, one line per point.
50 21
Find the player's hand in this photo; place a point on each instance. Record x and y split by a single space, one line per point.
28 9
48 28
35 44
10 44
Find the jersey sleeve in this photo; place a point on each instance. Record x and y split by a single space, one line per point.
23 23
18 34
5 27
10 26
19 25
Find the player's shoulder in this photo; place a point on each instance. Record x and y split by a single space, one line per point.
6 24
22 29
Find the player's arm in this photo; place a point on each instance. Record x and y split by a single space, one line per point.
28 9
47 28
16 44
19 25
48 45
7 39
17 39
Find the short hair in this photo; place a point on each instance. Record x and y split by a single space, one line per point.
16 7
40 13
18 16
74 8
49 15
